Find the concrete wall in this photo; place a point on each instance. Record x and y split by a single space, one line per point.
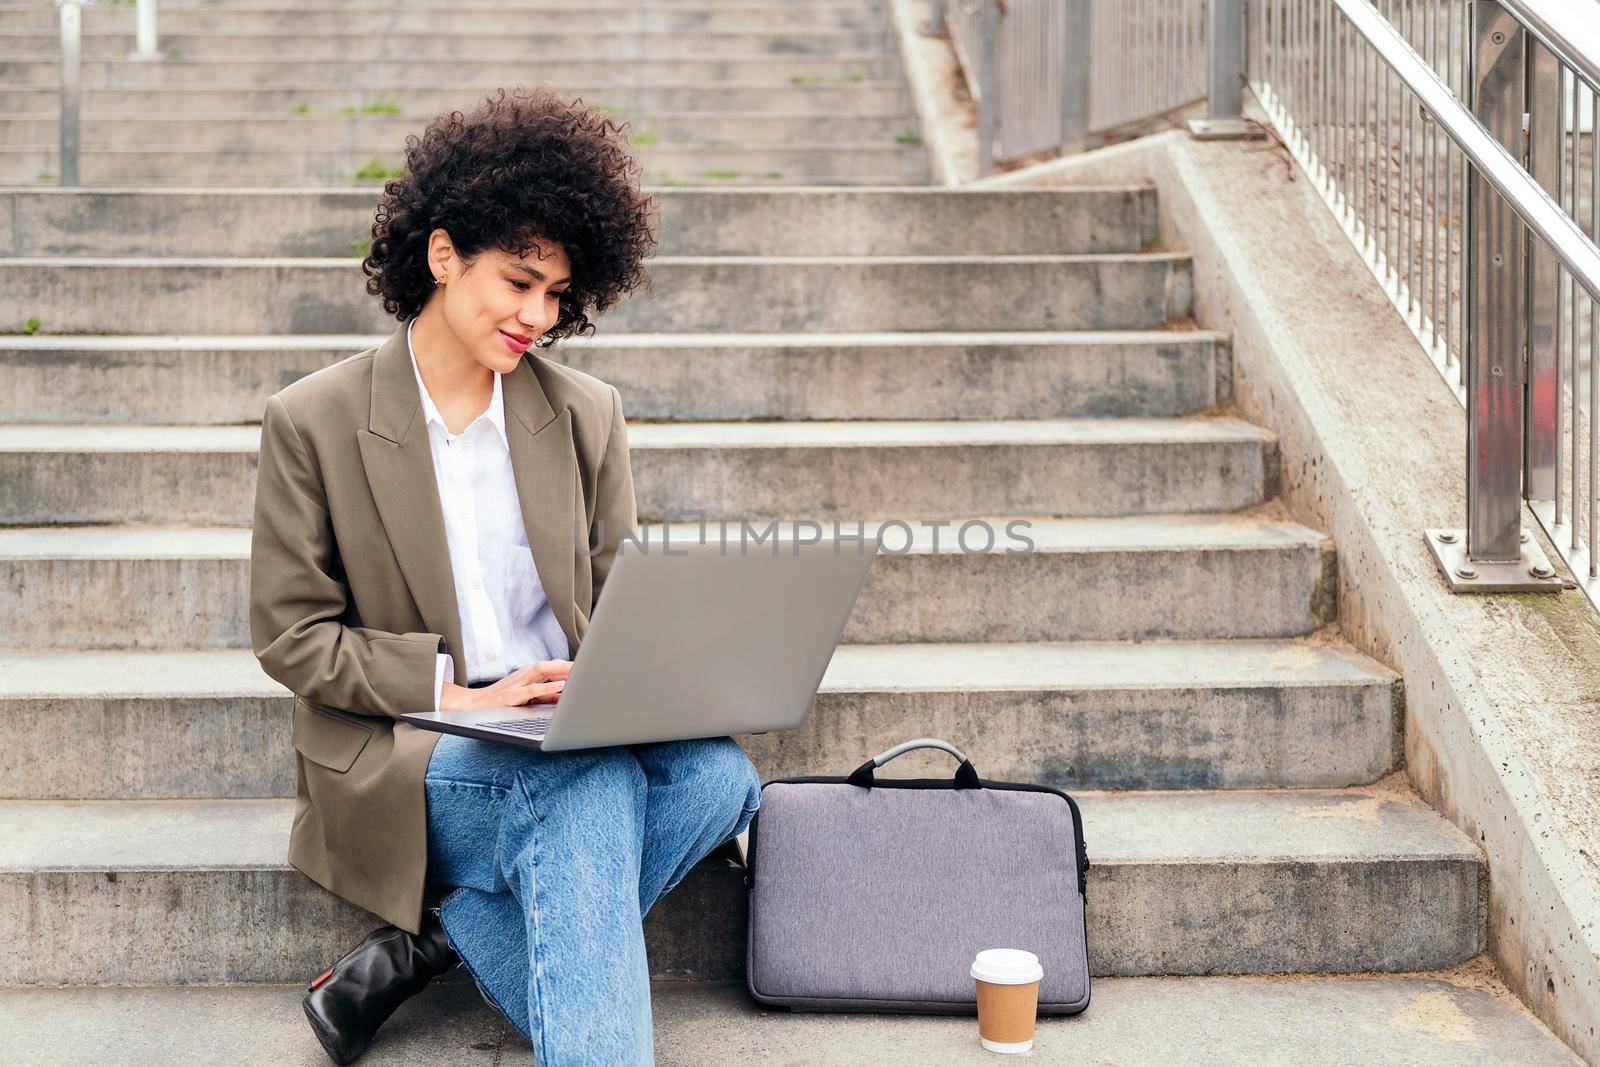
1502 720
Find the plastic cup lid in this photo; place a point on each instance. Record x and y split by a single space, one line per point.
1007 966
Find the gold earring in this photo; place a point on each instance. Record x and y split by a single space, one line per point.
438 282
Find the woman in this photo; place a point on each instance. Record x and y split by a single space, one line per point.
415 546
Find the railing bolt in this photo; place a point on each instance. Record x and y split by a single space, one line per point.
1447 536
1466 570
1541 570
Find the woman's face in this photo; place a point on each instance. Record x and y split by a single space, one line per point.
498 304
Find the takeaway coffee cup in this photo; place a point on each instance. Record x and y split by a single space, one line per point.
1008 998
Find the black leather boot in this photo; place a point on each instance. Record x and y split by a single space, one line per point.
349 1001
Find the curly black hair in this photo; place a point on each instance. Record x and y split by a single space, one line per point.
520 167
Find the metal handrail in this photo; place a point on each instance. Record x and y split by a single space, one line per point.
71 89
1499 167
1476 235
1565 31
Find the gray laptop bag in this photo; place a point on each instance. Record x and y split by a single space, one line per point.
875 894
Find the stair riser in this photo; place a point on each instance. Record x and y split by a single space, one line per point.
479 18
1043 596
326 100
284 132
732 221
756 483
506 45
888 163
976 381
1144 917
1200 738
255 71
273 924
1224 916
757 296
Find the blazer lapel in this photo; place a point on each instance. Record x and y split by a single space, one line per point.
545 467
399 464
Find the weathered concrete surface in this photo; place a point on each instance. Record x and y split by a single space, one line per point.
933 375
911 469
821 221
868 469
1085 714
507 42
557 70
325 98
699 294
1461 1017
1134 578
1502 694
480 17
1189 882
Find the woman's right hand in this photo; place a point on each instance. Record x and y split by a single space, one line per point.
537 683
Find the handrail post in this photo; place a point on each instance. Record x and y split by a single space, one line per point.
1225 75
988 85
1541 412
1077 73
145 30
1494 553
71 82
1495 315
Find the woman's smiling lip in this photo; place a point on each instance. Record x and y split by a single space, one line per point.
515 340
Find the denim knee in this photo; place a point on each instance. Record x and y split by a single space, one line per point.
726 770
600 775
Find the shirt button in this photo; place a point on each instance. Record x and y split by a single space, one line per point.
477 583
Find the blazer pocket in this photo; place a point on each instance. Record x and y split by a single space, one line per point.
327 737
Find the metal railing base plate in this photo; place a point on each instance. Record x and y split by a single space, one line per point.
1225 130
1531 573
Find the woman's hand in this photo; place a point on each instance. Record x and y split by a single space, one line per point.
537 683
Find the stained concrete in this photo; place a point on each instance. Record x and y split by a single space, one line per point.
1445 1019
819 221
890 375
1501 728
1127 578
1181 882
1088 714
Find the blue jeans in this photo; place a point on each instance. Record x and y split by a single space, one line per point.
558 856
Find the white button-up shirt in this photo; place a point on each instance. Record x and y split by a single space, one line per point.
506 620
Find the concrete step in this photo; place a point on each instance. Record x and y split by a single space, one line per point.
288 69
1079 715
1041 375
733 470
696 294
243 132
376 157
322 98
1444 1019
477 17
539 38
909 220
1141 578
91 892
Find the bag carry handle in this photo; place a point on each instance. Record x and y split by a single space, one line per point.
966 774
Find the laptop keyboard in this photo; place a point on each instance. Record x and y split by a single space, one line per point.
531 727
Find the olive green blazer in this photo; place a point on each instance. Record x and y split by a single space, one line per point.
351 595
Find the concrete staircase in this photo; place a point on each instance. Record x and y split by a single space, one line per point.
320 92
1166 652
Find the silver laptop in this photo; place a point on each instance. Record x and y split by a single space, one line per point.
692 639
